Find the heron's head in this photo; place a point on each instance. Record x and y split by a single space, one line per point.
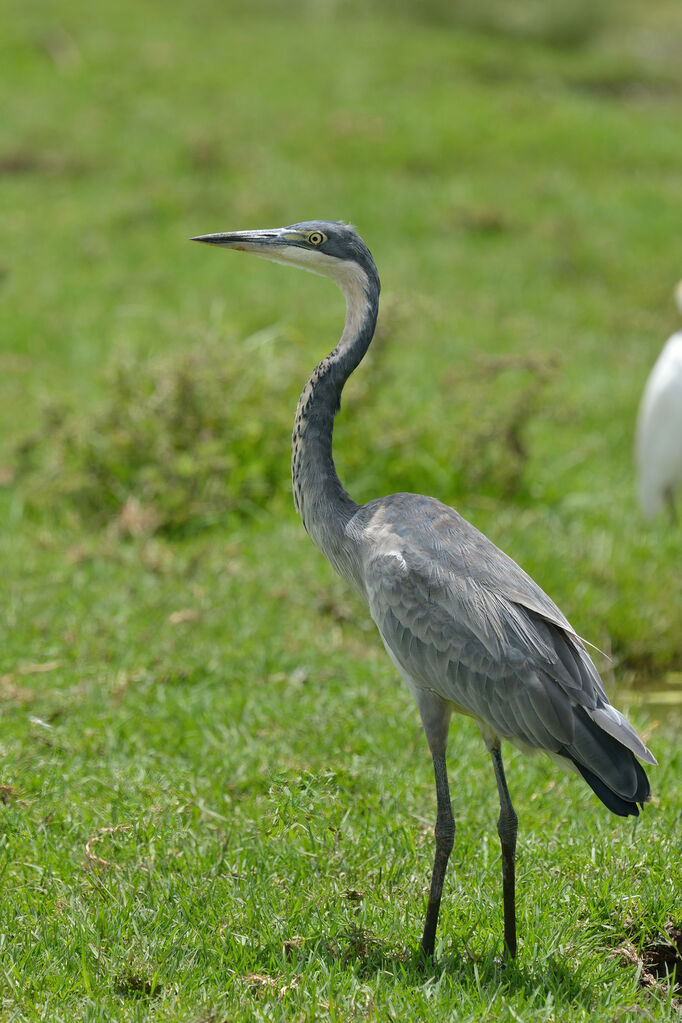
325 247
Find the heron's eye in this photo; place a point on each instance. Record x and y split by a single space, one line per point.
316 238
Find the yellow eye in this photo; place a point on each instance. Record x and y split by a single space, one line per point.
316 238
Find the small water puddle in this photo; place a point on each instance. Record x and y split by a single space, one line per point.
661 694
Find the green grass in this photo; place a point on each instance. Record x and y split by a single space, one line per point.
207 688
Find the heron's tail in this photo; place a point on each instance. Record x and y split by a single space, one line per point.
616 803
608 765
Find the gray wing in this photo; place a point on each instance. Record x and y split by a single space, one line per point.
461 619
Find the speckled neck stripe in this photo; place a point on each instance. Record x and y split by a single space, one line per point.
312 467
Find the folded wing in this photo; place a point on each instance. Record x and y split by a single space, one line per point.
461 619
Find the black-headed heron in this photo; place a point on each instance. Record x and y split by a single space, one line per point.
466 628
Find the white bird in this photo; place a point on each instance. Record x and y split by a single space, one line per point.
659 429
466 628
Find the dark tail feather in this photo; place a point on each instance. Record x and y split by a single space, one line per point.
611 799
608 766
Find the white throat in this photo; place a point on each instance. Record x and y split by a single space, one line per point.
346 274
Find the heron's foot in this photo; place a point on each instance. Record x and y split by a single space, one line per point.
424 961
506 959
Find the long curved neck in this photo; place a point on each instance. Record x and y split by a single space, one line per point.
319 497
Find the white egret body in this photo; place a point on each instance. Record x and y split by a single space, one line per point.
659 429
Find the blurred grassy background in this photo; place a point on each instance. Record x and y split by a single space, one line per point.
515 170
514 173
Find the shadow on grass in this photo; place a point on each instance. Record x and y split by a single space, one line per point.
366 956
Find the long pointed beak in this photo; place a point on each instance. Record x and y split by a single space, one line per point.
244 241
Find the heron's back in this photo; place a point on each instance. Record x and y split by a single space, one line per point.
464 621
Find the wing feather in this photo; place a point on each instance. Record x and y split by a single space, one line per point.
463 620
494 659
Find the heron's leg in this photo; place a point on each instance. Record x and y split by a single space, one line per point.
445 837
507 827
435 714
